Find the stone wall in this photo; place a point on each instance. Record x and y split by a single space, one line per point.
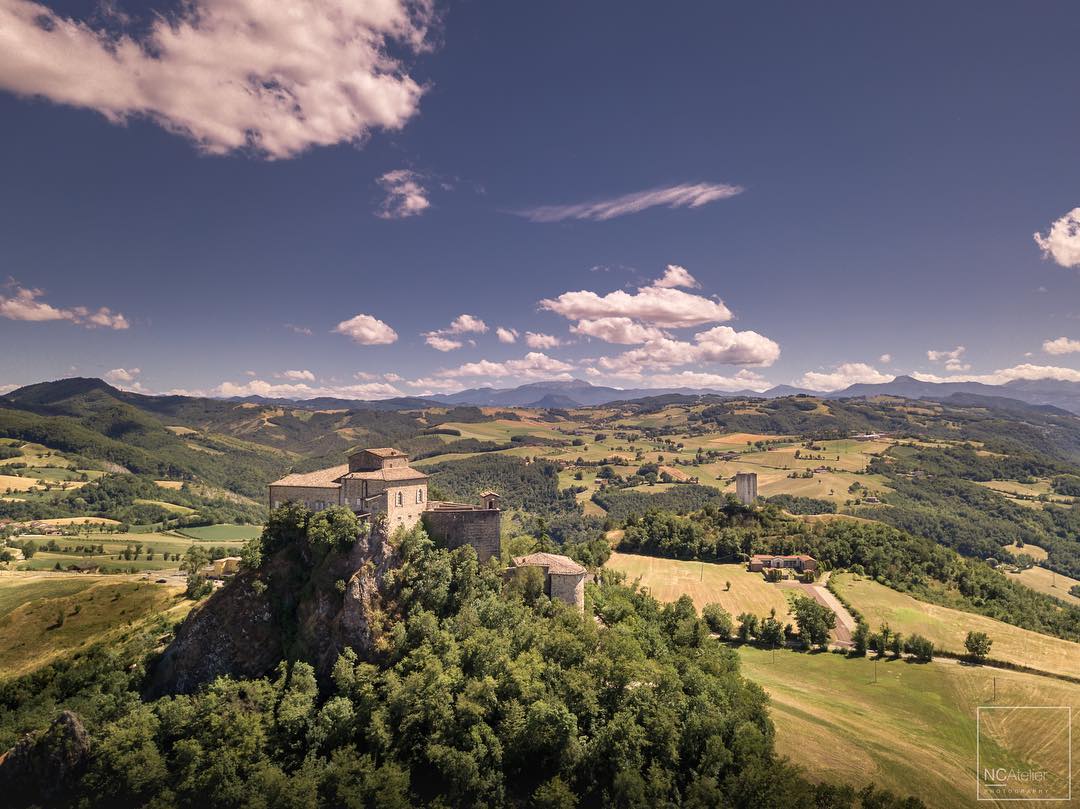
456 527
308 495
409 512
569 588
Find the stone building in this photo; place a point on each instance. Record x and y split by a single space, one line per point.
746 487
380 481
564 578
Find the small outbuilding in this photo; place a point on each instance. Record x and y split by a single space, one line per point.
564 578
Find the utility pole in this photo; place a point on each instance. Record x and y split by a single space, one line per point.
995 689
875 671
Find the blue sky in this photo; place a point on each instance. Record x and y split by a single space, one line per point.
307 204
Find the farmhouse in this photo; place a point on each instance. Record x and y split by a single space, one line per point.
564 578
800 562
379 483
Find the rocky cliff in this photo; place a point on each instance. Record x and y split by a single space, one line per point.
302 603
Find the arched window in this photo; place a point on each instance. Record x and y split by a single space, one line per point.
401 498
419 495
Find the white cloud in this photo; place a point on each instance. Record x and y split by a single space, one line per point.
274 78
843 375
467 324
1003 375
440 343
301 390
366 330
676 276
1062 345
8 388
296 376
462 324
687 195
122 376
26 304
659 306
952 359
885 359
302 330
743 380
506 335
534 365
720 344
541 341
1062 242
405 195
619 330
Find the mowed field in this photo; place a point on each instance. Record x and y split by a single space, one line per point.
59 614
1048 582
229 537
668 579
947 627
912 731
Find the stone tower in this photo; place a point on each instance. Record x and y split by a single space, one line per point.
746 487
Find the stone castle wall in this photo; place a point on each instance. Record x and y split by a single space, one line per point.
477 527
310 496
569 588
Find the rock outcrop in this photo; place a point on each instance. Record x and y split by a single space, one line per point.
44 767
302 603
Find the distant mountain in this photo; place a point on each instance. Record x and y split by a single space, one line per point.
571 393
1063 395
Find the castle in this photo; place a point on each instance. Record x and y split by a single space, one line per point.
379 482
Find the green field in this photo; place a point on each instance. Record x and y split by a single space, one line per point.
222 533
62 614
912 731
947 627
667 579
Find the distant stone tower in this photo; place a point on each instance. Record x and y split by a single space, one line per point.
746 487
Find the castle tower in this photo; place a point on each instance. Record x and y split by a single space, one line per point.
746 487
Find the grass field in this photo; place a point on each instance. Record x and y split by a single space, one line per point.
222 533
667 579
67 615
1048 582
947 627
1034 551
16 590
913 731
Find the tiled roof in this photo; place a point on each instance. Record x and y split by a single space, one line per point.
322 479
388 475
382 452
552 561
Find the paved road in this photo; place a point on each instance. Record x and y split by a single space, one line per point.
845 622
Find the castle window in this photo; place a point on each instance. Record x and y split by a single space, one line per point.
401 498
419 495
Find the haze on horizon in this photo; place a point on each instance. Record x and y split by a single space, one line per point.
422 197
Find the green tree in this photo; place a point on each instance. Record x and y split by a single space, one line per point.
717 619
978 645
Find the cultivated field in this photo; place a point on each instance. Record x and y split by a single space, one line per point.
60 614
912 731
947 627
668 579
1045 581
1034 551
163 547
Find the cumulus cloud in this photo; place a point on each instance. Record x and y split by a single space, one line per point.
842 376
540 340
506 335
366 330
743 380
619 330
273 78
534 365
405 195
687 195
676 276
441 340
296 376
440 343
721 345
1062 241
22 303
659 306
1004 375
122 376
301 390
952 359
1062 345
885 359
